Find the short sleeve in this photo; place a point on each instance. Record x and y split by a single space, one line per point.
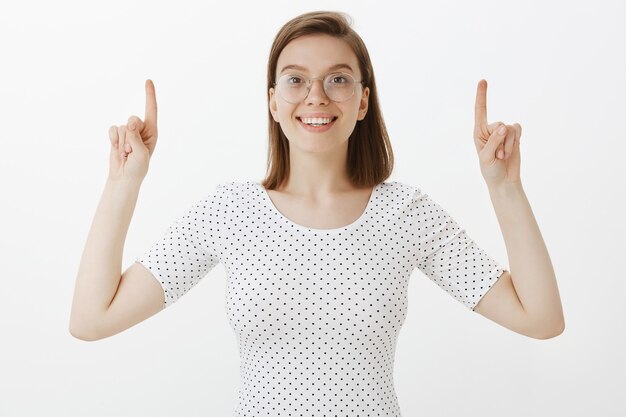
188 249
447 255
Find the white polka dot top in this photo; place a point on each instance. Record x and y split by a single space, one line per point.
317 312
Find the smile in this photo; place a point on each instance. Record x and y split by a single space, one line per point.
317 124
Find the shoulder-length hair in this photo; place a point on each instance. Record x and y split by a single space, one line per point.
370 157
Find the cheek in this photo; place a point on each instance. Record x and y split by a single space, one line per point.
351 113
285 115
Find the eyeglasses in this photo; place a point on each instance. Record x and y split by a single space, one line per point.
294 88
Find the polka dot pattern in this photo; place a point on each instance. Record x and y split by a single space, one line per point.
317 312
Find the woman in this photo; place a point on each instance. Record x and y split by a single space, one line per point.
319 255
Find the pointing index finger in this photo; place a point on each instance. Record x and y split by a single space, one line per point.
480 108
151 104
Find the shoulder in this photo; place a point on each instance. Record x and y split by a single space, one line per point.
229 188
218 196
398 191
236 195
397 186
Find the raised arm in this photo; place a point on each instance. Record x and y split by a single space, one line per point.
105 300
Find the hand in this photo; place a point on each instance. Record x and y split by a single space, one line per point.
498 153
132 145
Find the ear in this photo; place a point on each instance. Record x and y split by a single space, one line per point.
363 105
272 104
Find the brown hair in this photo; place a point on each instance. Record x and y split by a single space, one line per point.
370 157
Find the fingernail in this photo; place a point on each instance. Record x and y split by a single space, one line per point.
502 129
131 126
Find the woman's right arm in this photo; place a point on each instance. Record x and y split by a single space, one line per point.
105 300
97 311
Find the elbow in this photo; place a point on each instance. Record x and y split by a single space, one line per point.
82 333
552 333
86 337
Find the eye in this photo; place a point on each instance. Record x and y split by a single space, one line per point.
293 79
338 79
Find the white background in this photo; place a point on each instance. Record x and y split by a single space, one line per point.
69 70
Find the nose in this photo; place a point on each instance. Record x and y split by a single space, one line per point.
316 93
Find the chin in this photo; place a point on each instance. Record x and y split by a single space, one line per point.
310 144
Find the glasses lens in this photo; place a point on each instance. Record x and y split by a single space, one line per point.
294 88
339 86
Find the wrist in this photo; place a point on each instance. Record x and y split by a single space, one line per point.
506 189
124 184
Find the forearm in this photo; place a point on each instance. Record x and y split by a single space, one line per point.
100 267
530 265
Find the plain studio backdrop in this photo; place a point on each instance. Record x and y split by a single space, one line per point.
72 69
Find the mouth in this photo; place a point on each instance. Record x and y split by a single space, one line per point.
317 127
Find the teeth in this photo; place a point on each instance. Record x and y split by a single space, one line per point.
316 120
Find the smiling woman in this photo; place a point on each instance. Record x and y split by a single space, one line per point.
340 97
321 46
318 256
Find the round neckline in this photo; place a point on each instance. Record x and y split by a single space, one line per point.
269 203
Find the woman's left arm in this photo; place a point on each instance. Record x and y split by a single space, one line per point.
532 282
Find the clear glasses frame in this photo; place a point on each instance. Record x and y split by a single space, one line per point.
325 80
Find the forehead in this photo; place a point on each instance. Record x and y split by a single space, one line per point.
316 54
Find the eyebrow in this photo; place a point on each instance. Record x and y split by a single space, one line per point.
298 67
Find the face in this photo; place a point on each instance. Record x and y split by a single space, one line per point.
317 54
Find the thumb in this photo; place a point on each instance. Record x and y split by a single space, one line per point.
134 126
140 125
495 140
